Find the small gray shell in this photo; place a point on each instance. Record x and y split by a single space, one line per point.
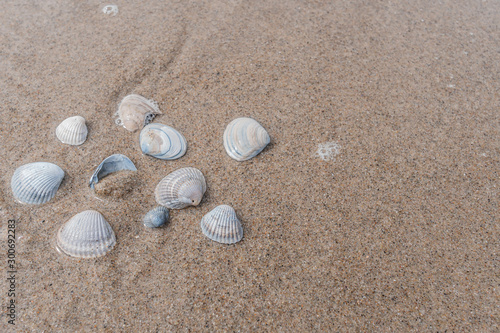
72 131
36 183
136 111
162 141
245 138
86 235
222 225
181 188
156 217
113 163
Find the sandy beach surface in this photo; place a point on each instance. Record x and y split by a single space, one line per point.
373 209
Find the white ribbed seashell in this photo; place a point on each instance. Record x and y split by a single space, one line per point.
156 217
244 138
181 188
222 225
86 235
72 131
135 111
36 183
162 141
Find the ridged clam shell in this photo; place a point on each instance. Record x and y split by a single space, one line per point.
181 188
72 131
244 138
113 163
162 141
222 225
36 183
86 235
135 111
156 217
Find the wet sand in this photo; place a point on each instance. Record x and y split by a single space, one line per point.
391 226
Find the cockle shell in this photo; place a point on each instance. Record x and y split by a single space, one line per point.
36 183
156 217
181 188
244 138
135 111
86 235
222 225
113 163
72 131
162 141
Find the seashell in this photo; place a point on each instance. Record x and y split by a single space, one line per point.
110 10
113 163
181 188
135 111
156 217
86 235
72 131
36 183
244 138
222 225
162 141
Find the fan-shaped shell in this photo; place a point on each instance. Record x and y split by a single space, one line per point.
86 235
135 111
244 138
222 225
113 163
156 217
72 131
181 188
36 183
162 141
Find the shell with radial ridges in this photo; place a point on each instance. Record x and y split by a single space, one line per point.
245 138
36 183
86 235
222 225
135 111
181 188
72 131
156 217
162 141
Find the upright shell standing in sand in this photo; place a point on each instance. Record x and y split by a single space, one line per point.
135 111
162 141
113 163
86 235
72 131
244 138
181 188
36 183
222 225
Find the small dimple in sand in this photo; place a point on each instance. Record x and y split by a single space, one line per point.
328 151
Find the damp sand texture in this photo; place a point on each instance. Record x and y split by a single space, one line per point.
395 230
